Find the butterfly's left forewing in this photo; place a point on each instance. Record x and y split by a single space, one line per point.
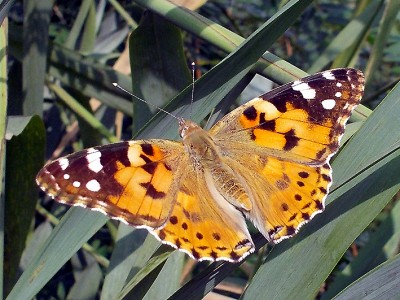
301 121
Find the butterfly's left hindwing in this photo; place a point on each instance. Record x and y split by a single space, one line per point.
134 182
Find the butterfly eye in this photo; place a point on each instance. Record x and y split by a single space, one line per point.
182 127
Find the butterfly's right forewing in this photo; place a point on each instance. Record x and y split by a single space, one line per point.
134 181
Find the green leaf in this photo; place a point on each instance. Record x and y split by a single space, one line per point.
82 17
3 125
158 279
36 23
131 253
88 277
382 244
354 32
76 227
214 34
387 22
25 152
381 283
89 31
158 64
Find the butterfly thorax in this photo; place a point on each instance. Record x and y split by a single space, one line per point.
208 159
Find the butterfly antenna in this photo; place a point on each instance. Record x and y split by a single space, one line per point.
140 99
192 100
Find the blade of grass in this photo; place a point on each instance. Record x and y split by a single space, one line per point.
381 283
83 13
36 24
81 73
3 124
352 34
76 227
382 244
81 111
123 13
131 252
25 152
387 22
89 31
158 64
88 277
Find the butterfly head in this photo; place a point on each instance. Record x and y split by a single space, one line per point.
187 127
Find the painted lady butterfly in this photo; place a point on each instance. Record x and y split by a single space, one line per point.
268 161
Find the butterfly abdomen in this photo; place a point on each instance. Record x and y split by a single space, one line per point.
228 185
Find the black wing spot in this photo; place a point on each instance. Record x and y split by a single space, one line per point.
326 177
147 149
318 204
216 236
291 140
150 167
173 220
304 174
250 113
290 230
293 217
300 183
152 192
298 197
323 190
285 207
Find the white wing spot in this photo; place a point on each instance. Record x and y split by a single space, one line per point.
64 163
76 184
328 103
338 84
66 176
328 75
338 94
93 159
93 185
304 89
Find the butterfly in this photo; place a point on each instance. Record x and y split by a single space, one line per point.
267 161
